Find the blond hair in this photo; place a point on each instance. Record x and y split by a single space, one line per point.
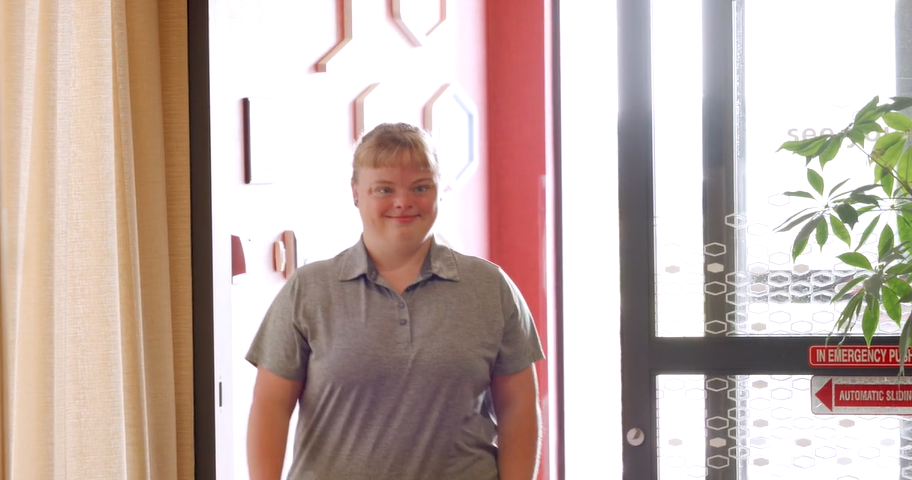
396 145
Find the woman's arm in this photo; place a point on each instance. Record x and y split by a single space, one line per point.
274 401
518 424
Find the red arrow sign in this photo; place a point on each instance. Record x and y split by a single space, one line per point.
825 394
860 395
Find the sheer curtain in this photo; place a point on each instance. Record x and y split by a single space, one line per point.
95 326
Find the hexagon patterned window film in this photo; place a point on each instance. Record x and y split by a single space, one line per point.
761 427
452 118
752 257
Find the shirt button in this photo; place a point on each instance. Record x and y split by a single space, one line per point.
401 304
402 321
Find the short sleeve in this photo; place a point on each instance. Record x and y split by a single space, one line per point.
280 345
520 345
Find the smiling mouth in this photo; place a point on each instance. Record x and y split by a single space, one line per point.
404 218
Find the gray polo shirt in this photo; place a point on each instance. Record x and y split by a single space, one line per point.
396 387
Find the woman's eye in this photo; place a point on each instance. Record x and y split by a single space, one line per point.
422 189
384 191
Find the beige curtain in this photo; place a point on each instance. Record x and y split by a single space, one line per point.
95 346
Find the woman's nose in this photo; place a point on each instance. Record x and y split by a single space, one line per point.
402 200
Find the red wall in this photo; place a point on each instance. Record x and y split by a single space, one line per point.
519 153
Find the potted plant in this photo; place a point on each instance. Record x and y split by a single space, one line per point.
880 210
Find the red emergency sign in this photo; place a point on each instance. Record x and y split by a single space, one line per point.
855 356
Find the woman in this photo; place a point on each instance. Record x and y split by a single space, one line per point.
406 358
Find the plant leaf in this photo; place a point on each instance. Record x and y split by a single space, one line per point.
887 141
885 243
795 222
870 320
904 227
801 194
833 190
898 121
900 103
823 233
891 304
845 289
891 157
904 343
814 148
855 259
873 285
847 214
856 136
887 183
868 127
815 180
797 145
871 106
849 312
901 288
867 199
867 232
831 149
904 170
900 269
799 246
840 230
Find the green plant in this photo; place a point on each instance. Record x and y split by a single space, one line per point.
883 284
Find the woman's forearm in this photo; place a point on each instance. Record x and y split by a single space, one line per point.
267 437
519 442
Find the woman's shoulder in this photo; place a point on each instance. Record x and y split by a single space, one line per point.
474 266
323 270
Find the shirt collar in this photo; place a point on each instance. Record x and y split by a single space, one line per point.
441 261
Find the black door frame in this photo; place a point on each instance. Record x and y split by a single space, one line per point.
204 401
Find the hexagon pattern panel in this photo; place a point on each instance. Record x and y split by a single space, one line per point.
768 295
761 427
733 264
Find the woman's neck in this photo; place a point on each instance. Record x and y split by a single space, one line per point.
397 258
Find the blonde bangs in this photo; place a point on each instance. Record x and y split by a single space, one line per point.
396 145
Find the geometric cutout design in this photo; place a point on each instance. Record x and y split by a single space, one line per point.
737 279
715 268
714 249
717 423
736 220
716 327
717 384
419 18
717 462
715 288
344 8
451 117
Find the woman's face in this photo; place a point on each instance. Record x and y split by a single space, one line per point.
398 205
